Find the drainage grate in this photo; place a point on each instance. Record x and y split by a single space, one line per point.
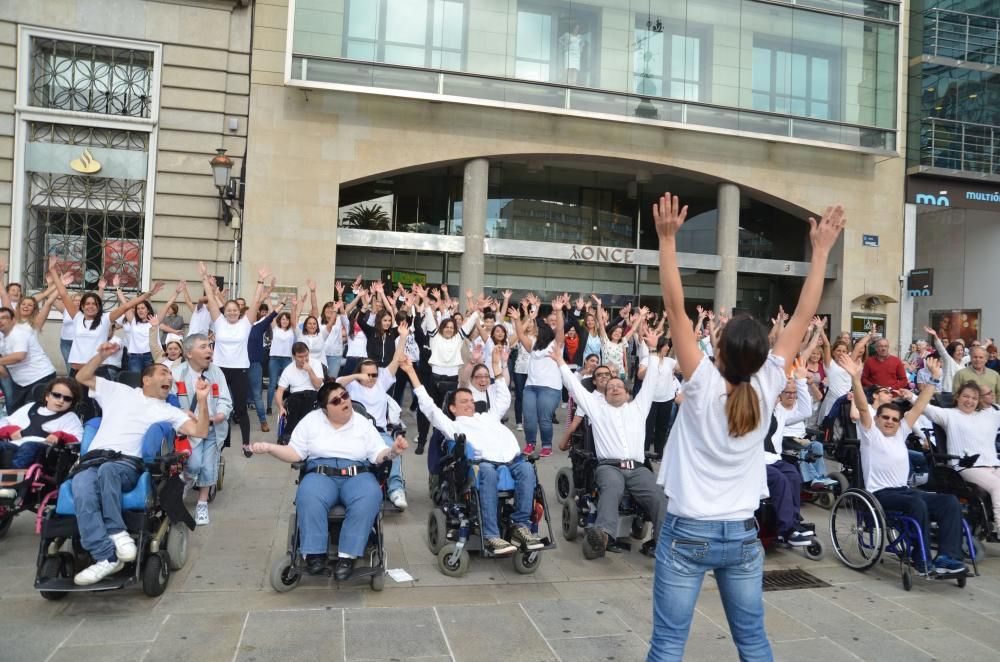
789 580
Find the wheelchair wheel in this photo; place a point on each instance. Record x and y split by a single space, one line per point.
814 551
841 479
155 575
283 576
54 567
564 484
977 546
451 565
570 520
907 577
825 500
378 581
437 531
177 545
526 563
857 528
222 473
961 581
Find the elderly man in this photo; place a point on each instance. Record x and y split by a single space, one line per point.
202 467
978 372
114 462
619 428
883 369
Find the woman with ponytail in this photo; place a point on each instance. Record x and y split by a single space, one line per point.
713 470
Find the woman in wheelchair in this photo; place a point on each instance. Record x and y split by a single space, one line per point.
886 465
476 375
494 445
339 447
31 429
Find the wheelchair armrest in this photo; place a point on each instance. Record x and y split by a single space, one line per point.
968 461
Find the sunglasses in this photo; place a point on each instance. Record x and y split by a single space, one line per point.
61 396
370 375
889 419
338 399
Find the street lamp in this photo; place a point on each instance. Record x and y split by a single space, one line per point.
229 188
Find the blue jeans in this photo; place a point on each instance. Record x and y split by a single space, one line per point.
97 499
317 494
7 385
275 367
24 455
540 404
203 464
64 347
489 503
689 548
256 376
138 362
812 470
333 364
396 473
519 380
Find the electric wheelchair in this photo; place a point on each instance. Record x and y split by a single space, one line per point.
576 489
453 527
287 571
153 514
34 488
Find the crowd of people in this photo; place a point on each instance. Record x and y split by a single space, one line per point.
712 400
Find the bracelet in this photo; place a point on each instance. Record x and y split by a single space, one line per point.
260 282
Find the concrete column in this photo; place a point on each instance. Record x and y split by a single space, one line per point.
909 260
728 246
475 194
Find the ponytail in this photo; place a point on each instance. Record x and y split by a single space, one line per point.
742 410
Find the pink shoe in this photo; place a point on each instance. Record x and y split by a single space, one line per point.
529 449
546 452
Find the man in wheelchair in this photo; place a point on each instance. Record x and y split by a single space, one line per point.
340 447
886 466
619 427
113 464
297 387
494 445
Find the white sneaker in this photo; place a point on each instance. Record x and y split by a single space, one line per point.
97 572
520 427
398 498
124 546
8 494
201 514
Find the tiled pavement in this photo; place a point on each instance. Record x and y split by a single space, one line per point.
220 607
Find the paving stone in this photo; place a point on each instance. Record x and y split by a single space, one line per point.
563 619
294 635
124 652
810 650
429 596
946 644
33 638
99 629
623 647
480 632
393 633
206 636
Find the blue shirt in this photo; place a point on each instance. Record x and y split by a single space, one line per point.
255 343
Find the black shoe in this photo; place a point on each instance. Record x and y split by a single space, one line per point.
316 564
616 547
247 452
343 569
648 549
420 447
594 543
268 411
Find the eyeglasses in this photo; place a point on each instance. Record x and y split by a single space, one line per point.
370 374
602 375
889 419
790 394
61 396
338 399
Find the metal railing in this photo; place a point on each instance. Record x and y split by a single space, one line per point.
960 146
961 36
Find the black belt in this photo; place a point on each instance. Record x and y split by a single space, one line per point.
339 472
96 458
621 464
750 524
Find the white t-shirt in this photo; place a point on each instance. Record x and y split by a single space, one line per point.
334 344
36 364
201 320
67 331
316 343
282 341
87 340
357 345
706 473
231 342
128 415
295 379
884 460
315 437
136 337
375 399
542 370
116 358
969 434
490 439
666 383
68 423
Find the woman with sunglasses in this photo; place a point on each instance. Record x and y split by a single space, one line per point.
29 430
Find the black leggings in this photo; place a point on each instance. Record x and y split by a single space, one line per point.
239 388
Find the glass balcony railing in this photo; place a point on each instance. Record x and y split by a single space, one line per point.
960 146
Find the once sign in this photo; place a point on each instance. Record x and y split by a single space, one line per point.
604 254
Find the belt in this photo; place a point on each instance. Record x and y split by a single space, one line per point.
340 472
621 464
749 524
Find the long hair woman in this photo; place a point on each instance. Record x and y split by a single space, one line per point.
713 471
543 388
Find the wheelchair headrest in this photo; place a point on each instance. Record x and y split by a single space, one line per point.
158 435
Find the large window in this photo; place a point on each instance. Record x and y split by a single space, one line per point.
668 64
557 43
793 83
416 33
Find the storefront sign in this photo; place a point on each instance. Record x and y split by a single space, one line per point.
603 254
936 192
404 277
861 324
920 282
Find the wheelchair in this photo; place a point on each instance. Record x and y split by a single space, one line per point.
287 571
453 527
792 452
767 533
162 542
35 488
576 489
297 405
839 435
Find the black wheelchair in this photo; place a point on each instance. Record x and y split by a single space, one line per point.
287 571
453 527
161 536
576 489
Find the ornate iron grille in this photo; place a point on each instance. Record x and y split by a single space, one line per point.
88 78
88 136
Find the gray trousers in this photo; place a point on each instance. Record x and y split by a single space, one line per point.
641 485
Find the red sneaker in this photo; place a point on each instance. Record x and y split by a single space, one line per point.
546 452
528 449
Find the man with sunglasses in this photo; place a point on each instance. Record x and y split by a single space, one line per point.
886 466
340 448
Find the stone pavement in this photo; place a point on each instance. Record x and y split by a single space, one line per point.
221 607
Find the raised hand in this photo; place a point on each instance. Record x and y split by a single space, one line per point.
263 273
157 286
116 281
400 445
824 232
800 372
477 354
180 286
202 269
403 329
556 354
107 349
931 332
668 215
507 294
934 366
850 366
102 283
67 278
154 320
201 389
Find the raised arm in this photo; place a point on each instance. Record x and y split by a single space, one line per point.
43 312
258 296
187 297
823 235
433 413
926 392
129 305
211 300
404 331
600 316
155 348
313 303
854 370
859 347
557 307
71 306
668 215
527 342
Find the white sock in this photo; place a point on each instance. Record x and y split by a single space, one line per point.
341 555
203 503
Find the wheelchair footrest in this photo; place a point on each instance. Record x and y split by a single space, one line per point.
618 546
121 579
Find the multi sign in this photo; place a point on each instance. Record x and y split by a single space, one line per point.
961 194
920 282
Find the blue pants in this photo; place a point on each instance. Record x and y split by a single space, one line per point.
275 367
333 364
785 485
519 380
97 499
396 473
25 455
923 507
256 376
203 465
686 550
812 470
64 347
489 503
540 404
138 362
317 494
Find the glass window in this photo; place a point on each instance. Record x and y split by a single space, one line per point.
665 63
534 46
415 33
791 83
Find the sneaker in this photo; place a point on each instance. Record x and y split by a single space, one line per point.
546 451
97 572
264 427
499 546
945 565
595 543
798 538
562 406
528 449
398 498
8 494
519 427
124 546
201 514
523 536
